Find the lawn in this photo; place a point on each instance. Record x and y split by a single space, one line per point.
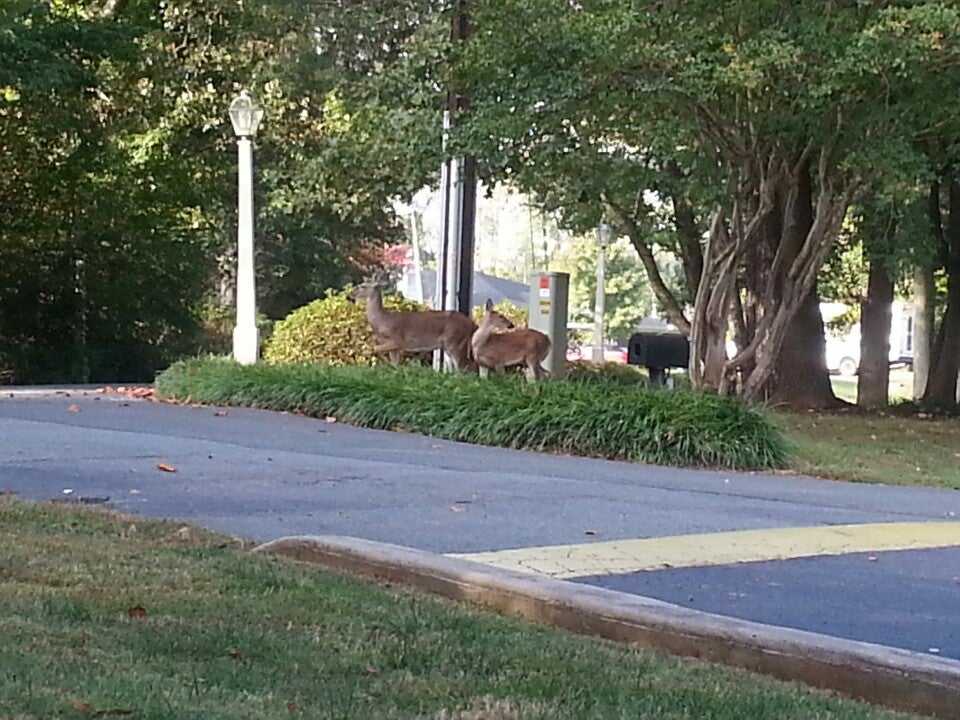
892 449
104 616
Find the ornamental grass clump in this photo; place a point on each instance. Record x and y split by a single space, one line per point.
604 420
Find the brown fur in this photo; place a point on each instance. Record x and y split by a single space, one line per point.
397 333
498 345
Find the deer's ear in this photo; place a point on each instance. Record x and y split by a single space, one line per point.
489 305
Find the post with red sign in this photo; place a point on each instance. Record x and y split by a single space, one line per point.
548 314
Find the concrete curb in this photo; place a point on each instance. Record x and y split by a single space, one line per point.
48 390
886 676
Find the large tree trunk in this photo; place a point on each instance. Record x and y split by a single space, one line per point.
923 321
873 383
942 385
801 378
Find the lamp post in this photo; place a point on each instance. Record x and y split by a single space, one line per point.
604 233
245 114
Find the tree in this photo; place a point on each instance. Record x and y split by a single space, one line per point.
628 296
117 209
755 113
941 389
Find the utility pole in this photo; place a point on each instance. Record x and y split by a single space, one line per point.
459 189
604 233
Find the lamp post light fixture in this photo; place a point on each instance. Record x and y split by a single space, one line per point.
604 235
245 114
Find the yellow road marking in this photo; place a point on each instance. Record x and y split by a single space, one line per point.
725 548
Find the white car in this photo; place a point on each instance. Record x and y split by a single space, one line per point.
843 353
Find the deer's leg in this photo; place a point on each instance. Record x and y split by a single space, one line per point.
484 372
392 350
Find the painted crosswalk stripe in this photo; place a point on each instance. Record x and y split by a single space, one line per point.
724 548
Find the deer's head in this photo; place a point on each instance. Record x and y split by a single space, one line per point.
493 319
370 287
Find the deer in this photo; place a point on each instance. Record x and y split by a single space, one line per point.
497 344
396 333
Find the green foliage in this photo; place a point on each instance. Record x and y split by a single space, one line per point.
216 329
628 296
585 371
118 204
332 330
599 420
514 313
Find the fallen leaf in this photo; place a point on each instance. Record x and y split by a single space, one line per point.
293 707
935 651
220 413
122 389
872 558
163 467
81 706
331 419
67 491
590 532
73 408
137 612
235 654
456 508
372 670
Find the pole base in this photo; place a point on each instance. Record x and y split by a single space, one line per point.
246 344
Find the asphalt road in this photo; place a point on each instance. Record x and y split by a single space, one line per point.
262 475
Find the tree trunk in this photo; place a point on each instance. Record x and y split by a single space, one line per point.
942 384
876 318
801 378
923 321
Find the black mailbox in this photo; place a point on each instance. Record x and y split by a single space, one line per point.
658 351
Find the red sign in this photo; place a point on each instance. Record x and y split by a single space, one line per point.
544 282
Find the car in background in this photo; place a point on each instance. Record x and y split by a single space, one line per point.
843 352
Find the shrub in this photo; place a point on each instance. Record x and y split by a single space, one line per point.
216 328
514 313
599 420
332 330
585 371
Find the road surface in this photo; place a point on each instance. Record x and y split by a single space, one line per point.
866 562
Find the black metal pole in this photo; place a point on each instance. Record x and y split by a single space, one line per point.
458 104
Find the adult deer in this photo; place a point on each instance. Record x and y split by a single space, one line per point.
399 332
498 345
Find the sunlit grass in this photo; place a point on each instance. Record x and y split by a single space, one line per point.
102 616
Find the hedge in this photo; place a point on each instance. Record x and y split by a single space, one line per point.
604 420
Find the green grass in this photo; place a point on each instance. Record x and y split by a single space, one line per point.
892 449
901 386
224 634
597 419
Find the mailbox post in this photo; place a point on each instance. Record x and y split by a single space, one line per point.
658 350
548 314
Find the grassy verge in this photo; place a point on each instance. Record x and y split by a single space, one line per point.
102 616
885 449
592 419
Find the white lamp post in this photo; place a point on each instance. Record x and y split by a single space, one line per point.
245 114
604 234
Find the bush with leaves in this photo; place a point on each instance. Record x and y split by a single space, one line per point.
332 330
512 312
588 372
